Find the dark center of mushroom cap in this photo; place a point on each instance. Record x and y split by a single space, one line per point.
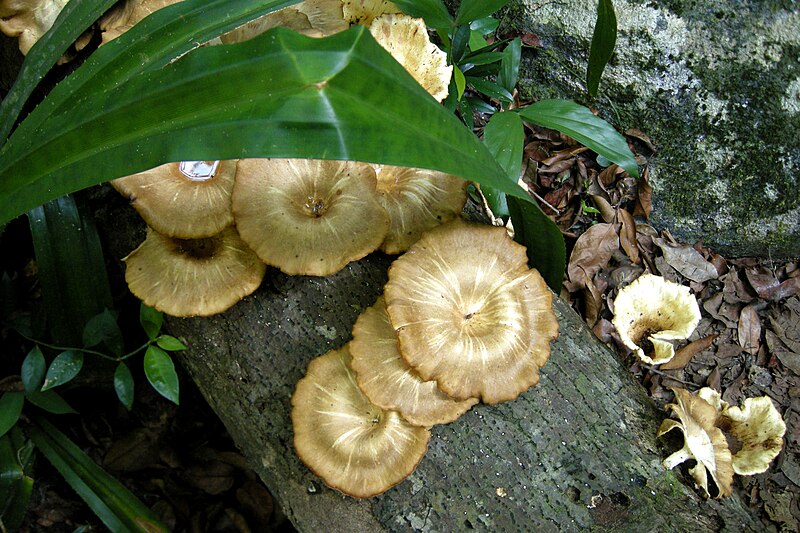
198 249
315 206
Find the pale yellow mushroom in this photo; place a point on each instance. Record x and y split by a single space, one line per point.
365 11
314 18
125 15
28 20
759 429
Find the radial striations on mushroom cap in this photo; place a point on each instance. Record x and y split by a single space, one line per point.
417 200
126 14
469 313
28 20
759 428
365 11
406 38
308 217
313 18
389 382
193 277
353 445
187 199
652 310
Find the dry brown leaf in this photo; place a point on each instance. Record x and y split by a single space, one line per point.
788 288
627 235
607 211
786 324
642 136
644 201
763 281
593 298
685 354
749 329
687 261
735 289
788 358
713 379
592 251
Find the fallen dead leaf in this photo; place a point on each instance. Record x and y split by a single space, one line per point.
685 354
749 329
763 281
592 251
644 201
627 235
687 261
788 358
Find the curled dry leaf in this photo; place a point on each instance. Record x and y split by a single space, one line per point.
627 235
685 354
687 261
749 330
644 201
591 253
763 281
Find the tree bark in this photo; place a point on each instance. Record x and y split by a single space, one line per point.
577 451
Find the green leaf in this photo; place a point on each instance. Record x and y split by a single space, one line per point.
114 504
50 402
10 408
123 385
33 370
458 46
491 89
461 82
160 372
151 321
509 66
278 95
103 329
476 40
73 19
15 485
579 123
484 26
63 369
603 41
71 268
470 10
543 240
504 136
433 11
485 58
170 343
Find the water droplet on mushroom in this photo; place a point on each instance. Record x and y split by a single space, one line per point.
198 170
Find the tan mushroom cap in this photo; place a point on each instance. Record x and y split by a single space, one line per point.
28 20
406 38
652 310
308 217
314 18
125 15
365 11
417 200
353 445
389 382
187 200
704 442
469 313
759 428
193 277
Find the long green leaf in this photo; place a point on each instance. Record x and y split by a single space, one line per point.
15 485
278 95
433 11
543 240
114 504
504 137
603 41
579 123
10 409
160 372
470 10
71 22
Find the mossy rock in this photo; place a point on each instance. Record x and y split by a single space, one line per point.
716 86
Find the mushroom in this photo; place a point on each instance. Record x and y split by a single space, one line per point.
704 442
193 277
652 311
28 20
125 15
417 200
388 381
308 217
759 429
406 39
365 11
314 18
188 199
469 313
353 445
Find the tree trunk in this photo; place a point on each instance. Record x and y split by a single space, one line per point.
577 451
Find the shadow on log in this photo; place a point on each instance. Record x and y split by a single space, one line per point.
576 452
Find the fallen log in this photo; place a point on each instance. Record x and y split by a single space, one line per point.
577 451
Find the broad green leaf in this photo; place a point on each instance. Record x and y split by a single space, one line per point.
123 385
71 265
15 485
579 123
63 369
476 40
114 504
484 26
491 89
543 240
74 18
170 343
603 41
50 402
504 136
458 46
465 110
10 408
160 372
103 329
509 66
470 10
482 59
278 95
33 370
433 11
461 82
151 321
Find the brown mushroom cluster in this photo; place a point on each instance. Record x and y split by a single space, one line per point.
462 320
723 440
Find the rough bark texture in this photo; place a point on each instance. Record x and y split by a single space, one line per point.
577 451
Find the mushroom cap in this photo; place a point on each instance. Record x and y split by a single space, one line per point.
193 277
469 313
654 310
704 442
759 427
186 200
353 445
406 38
125 15
314 18
28 20
388 381
365 11
308 217
417 200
